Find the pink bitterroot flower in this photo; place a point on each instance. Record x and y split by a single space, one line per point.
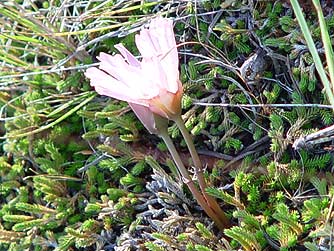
153 82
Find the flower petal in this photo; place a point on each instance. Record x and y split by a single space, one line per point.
159 41
106 85
145 44
151 85
133 77
127 55
145 116
152 68
163 29
114 65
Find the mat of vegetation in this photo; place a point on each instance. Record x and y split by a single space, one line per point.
78 171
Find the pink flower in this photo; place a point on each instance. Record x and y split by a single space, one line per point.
146 117
153 82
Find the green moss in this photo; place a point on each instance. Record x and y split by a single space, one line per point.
86 178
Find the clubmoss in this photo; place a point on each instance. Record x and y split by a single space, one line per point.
79 171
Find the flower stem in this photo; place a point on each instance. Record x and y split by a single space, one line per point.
189 182
199 171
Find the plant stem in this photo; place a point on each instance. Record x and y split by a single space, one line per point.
326 40
199 171
313 50
189 182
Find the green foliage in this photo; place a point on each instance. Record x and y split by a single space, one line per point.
162 237
273 95
326 117
174 131
276 134
289 227
138 168
223 196
16 218
52 164
233 36
212 114
198 128
153 247
192 71
319 161
74 166
247 219
35 209
10 236
233 144
311 246
204 231
276 122
198 237
186 101
115 194
246 239
320 185
202 248
130 180
313 209
82 237
27 225
92 208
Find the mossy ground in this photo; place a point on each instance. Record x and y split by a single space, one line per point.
79 171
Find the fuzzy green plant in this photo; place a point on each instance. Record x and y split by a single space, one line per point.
79 172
